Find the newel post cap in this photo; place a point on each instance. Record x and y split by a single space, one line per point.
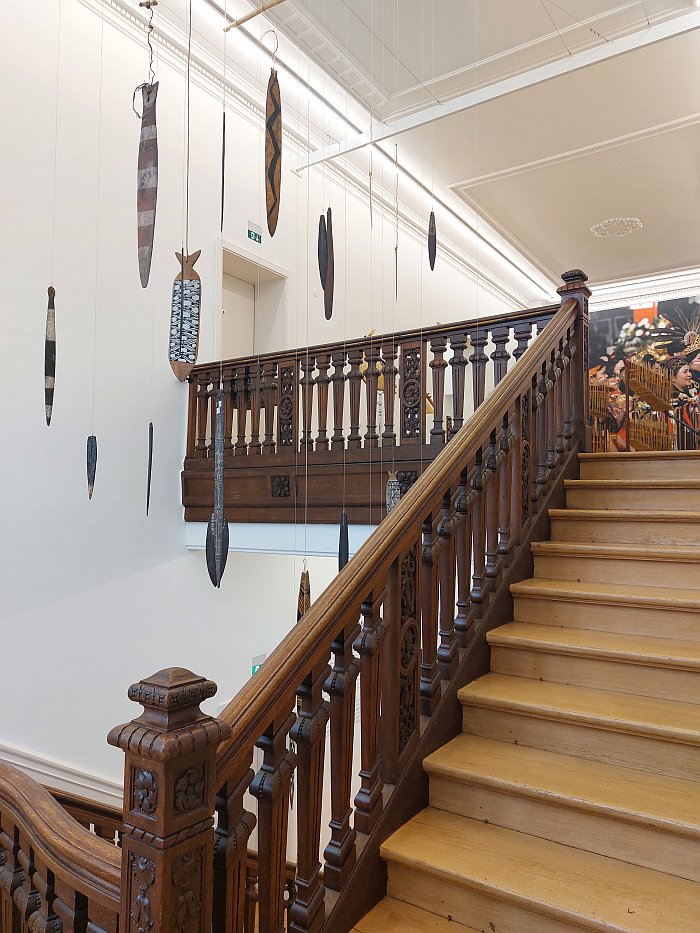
574 281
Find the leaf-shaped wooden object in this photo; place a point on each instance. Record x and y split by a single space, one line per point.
147 181
273 151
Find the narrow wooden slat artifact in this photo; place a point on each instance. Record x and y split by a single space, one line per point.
147 180
322 251
50 355
150 467
432 240
91 463
217 529
304 601
273 151
330 268
343 545
184 320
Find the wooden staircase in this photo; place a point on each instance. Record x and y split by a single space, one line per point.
571 800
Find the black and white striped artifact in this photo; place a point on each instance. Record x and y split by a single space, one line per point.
50 355
91 463
432 240
217 529
343 545
147 180
184 319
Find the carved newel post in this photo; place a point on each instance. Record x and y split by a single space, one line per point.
169 778
575 287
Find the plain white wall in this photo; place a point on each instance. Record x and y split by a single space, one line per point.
93 594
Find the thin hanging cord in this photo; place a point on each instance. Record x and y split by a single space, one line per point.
646 13
580 22
97 215
55 141
187 135
558 31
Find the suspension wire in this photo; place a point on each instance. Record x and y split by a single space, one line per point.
97 213
55 141
580 22
646 13
558 31
187 137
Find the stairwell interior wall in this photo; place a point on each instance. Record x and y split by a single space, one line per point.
94 595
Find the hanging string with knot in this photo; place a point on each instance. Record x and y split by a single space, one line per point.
148 4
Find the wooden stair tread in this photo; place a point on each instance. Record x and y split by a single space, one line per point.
642 455
581 888
641 649
669 552
624 515
392 916
643 484
603 709
645 596
642 797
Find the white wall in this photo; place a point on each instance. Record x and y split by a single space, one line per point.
94 595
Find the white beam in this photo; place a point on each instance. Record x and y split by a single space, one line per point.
636 40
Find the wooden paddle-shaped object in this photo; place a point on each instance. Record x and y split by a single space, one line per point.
147 180
330 272
322 250
91 463
273 151
304 601
217 529
432 240
184 318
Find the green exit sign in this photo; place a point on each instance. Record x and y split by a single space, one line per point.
254 232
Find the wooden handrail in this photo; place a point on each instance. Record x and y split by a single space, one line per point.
307 644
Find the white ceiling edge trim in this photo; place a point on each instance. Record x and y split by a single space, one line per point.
649 289
61 776
318 540
686 22
208 74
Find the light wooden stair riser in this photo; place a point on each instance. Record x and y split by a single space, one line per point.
392 916
615 531
577 826
623 677
622 497
586 739
625 571
630 619
624 467
469 906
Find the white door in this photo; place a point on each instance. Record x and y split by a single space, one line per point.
238 319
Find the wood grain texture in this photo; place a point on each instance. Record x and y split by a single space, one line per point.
304 600
50 354
184 317
273 151
329 287
147 181
217 529
432 240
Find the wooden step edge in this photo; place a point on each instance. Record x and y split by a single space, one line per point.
540 588
592 720
673 662
672 552
560 798
669 455
625 515
632 484
410 917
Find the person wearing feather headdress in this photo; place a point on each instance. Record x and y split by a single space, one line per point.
685 401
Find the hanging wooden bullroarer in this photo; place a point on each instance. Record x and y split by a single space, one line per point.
393 492
150 466
330 268
322 251
147 180
432 240
343 545
304 601
184 319
91 463
273 150
217 529
50 355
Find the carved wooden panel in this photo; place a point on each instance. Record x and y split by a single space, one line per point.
411 394
287 387
408 650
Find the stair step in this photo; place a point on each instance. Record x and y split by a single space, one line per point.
497 879
652 667
392 916
652 465
633 731
635 816
626 564
626 526
678 495
635 610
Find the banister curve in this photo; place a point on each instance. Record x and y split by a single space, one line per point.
307 644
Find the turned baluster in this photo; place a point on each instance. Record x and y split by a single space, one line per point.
566 392
202 408
389 354
229 404
560 444
478 533
254 381
355 385
522 333
429 672
447 654
541 397
307 910
45 916
27 898
463 539
478 359
322 382
269 373
551 416
438 345
492 497
458 342
504 478
338 380
371 381
213 403
575 287
518 474
533 468
241 410
500 356
308 364
339 854
192 416
368 645
234 828
71 908
272 785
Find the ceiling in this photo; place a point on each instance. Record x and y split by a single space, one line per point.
620 138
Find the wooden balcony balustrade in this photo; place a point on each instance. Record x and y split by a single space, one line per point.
281 452
403 626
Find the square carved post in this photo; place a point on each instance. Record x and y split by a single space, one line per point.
575 287
169 774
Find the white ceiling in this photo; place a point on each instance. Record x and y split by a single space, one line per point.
543 164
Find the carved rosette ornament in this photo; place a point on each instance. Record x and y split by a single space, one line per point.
168 840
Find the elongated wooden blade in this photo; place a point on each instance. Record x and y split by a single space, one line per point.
322 250
50 355
147 181
304 601
91 463
184 318
344 544
150 466
330 274
223 166
217 529
432 240
273 151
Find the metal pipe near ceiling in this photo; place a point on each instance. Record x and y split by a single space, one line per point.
253 13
